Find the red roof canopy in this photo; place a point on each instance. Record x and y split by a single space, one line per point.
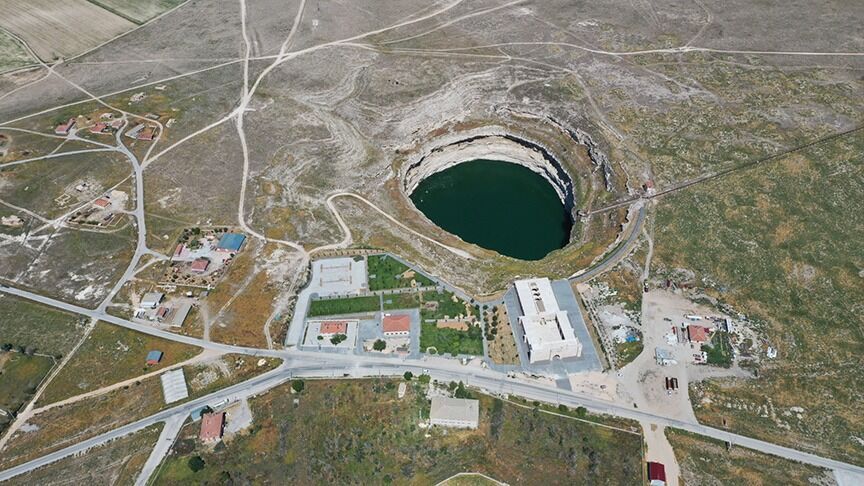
334 327
656 471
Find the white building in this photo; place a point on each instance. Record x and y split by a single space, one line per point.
455 412
547 329
152 299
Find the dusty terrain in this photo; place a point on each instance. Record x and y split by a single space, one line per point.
299 123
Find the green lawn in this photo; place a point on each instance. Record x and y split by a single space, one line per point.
449 306
350 305
401 301
452 341
384 273
627 352
377 440
720 350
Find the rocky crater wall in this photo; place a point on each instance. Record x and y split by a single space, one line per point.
490 144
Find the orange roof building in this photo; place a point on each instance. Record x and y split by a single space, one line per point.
333 327
396 325
200 265
212 425
697 334
102 202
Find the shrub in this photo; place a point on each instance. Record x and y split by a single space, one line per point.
380 345
408 375
298 385
196 463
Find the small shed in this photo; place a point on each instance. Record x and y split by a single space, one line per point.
154 357
656 474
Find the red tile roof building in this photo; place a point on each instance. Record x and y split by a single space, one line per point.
399 325
212 425
200 265
102 202
63 128
333 327
698 334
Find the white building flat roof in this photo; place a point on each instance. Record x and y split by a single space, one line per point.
547 329
454 411
536 296
174 386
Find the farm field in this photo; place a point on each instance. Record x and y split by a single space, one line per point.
12 54
109 355
20 375
117 462
706 461
293 443
61 29
48 330
138 11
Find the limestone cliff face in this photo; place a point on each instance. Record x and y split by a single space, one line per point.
491 143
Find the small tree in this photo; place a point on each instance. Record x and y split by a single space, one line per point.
380 345
298 385
581 412
408 375
562 408
424 379
196 463
338 339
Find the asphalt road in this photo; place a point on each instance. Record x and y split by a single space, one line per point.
317 365
611 260
153 331
314 365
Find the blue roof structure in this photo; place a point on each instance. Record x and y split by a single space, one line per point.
231 241
154 356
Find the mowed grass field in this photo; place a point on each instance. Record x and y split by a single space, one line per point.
12 54
360 432
138 11
782 243
111 354
706 461
61 29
